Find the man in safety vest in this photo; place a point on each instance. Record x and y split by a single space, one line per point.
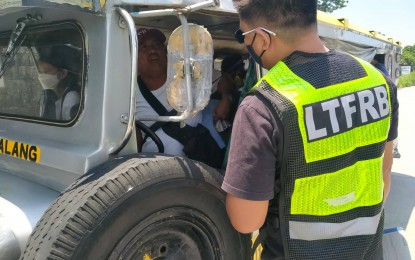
311 147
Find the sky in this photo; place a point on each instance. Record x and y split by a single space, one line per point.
394 18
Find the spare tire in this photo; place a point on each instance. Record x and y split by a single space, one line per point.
140 208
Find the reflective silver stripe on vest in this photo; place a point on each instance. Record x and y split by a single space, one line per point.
316 230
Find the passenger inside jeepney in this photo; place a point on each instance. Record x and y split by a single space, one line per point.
57 67
152 101
226 92
379 63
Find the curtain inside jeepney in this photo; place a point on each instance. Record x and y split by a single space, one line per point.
359 50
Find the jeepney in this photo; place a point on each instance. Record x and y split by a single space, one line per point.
77 187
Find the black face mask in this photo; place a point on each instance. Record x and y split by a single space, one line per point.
254 56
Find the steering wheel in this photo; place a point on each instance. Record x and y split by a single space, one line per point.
151 134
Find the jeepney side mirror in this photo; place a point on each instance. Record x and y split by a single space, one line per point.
200 49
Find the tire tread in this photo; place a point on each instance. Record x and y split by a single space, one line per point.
83 205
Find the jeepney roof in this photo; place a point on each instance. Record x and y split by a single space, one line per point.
221 14
345 24
85 5
97 6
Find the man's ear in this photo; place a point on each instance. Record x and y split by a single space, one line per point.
62 73
265 38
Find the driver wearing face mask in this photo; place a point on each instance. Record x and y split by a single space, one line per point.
61 90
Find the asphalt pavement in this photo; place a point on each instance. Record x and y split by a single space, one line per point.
400 206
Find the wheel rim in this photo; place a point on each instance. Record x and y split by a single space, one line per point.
175 233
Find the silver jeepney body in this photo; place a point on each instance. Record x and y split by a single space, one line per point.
103 127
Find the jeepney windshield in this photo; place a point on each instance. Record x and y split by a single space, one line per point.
44 81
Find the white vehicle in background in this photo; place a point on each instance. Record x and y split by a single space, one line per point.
365 44
77 187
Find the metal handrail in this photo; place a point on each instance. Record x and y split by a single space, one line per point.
133 46
170 11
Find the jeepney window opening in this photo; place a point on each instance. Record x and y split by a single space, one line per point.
45 81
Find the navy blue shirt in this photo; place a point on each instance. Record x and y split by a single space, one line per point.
382 68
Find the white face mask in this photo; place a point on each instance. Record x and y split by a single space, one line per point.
48 81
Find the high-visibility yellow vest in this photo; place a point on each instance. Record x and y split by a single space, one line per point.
331 176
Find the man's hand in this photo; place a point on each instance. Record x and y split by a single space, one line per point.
223 109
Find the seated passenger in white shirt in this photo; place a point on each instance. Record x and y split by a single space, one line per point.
152 70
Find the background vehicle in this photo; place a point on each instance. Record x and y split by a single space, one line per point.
363 43
79 184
